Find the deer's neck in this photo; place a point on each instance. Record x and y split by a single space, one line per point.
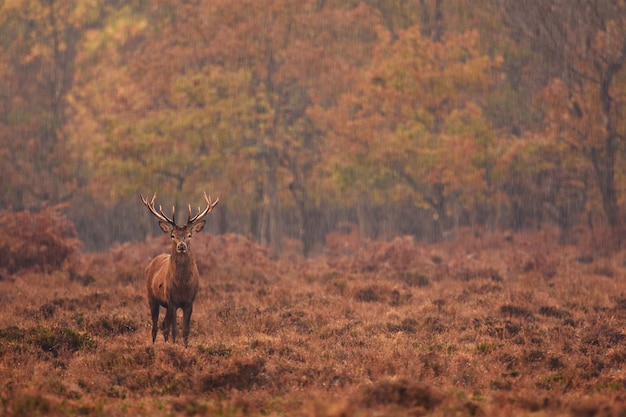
183 265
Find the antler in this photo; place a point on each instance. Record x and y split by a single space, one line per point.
160 215
201 214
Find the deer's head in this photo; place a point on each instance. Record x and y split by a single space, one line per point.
180 235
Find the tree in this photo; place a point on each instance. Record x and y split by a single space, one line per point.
414 127
217 90
144 119
541 181
298 53
38 42
581 46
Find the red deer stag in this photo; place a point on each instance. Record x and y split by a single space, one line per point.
172 279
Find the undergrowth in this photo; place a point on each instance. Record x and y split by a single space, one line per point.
485 325
41 241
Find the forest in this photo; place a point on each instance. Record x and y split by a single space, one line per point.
420 206
403 117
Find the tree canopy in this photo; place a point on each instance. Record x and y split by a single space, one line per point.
415 117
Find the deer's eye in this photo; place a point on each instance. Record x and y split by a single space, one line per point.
173 237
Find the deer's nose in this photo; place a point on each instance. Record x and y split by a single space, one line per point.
182 247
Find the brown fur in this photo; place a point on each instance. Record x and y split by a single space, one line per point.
172 280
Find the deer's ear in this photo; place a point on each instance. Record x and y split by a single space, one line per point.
166 227
198 226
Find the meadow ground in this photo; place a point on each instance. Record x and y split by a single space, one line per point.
485 325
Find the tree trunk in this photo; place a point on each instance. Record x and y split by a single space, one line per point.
308 217
437 202
603 159
274 229
255 223
222 223
604 169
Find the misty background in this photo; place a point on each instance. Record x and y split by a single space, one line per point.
401 117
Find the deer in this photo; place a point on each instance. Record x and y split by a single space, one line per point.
172 280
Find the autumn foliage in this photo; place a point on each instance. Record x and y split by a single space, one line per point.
41 241
421 206
305 114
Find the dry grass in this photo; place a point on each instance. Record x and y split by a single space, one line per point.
486 326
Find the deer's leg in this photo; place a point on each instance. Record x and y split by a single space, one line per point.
170 323
154 312
186 319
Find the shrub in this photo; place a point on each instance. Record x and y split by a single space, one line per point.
52 340
31 404
107 326
402 393
40 241
243 376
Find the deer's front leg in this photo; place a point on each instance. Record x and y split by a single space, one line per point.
187 310
170 323
172 319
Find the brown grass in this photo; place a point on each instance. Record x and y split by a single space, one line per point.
486 325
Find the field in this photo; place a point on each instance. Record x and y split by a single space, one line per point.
483 325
